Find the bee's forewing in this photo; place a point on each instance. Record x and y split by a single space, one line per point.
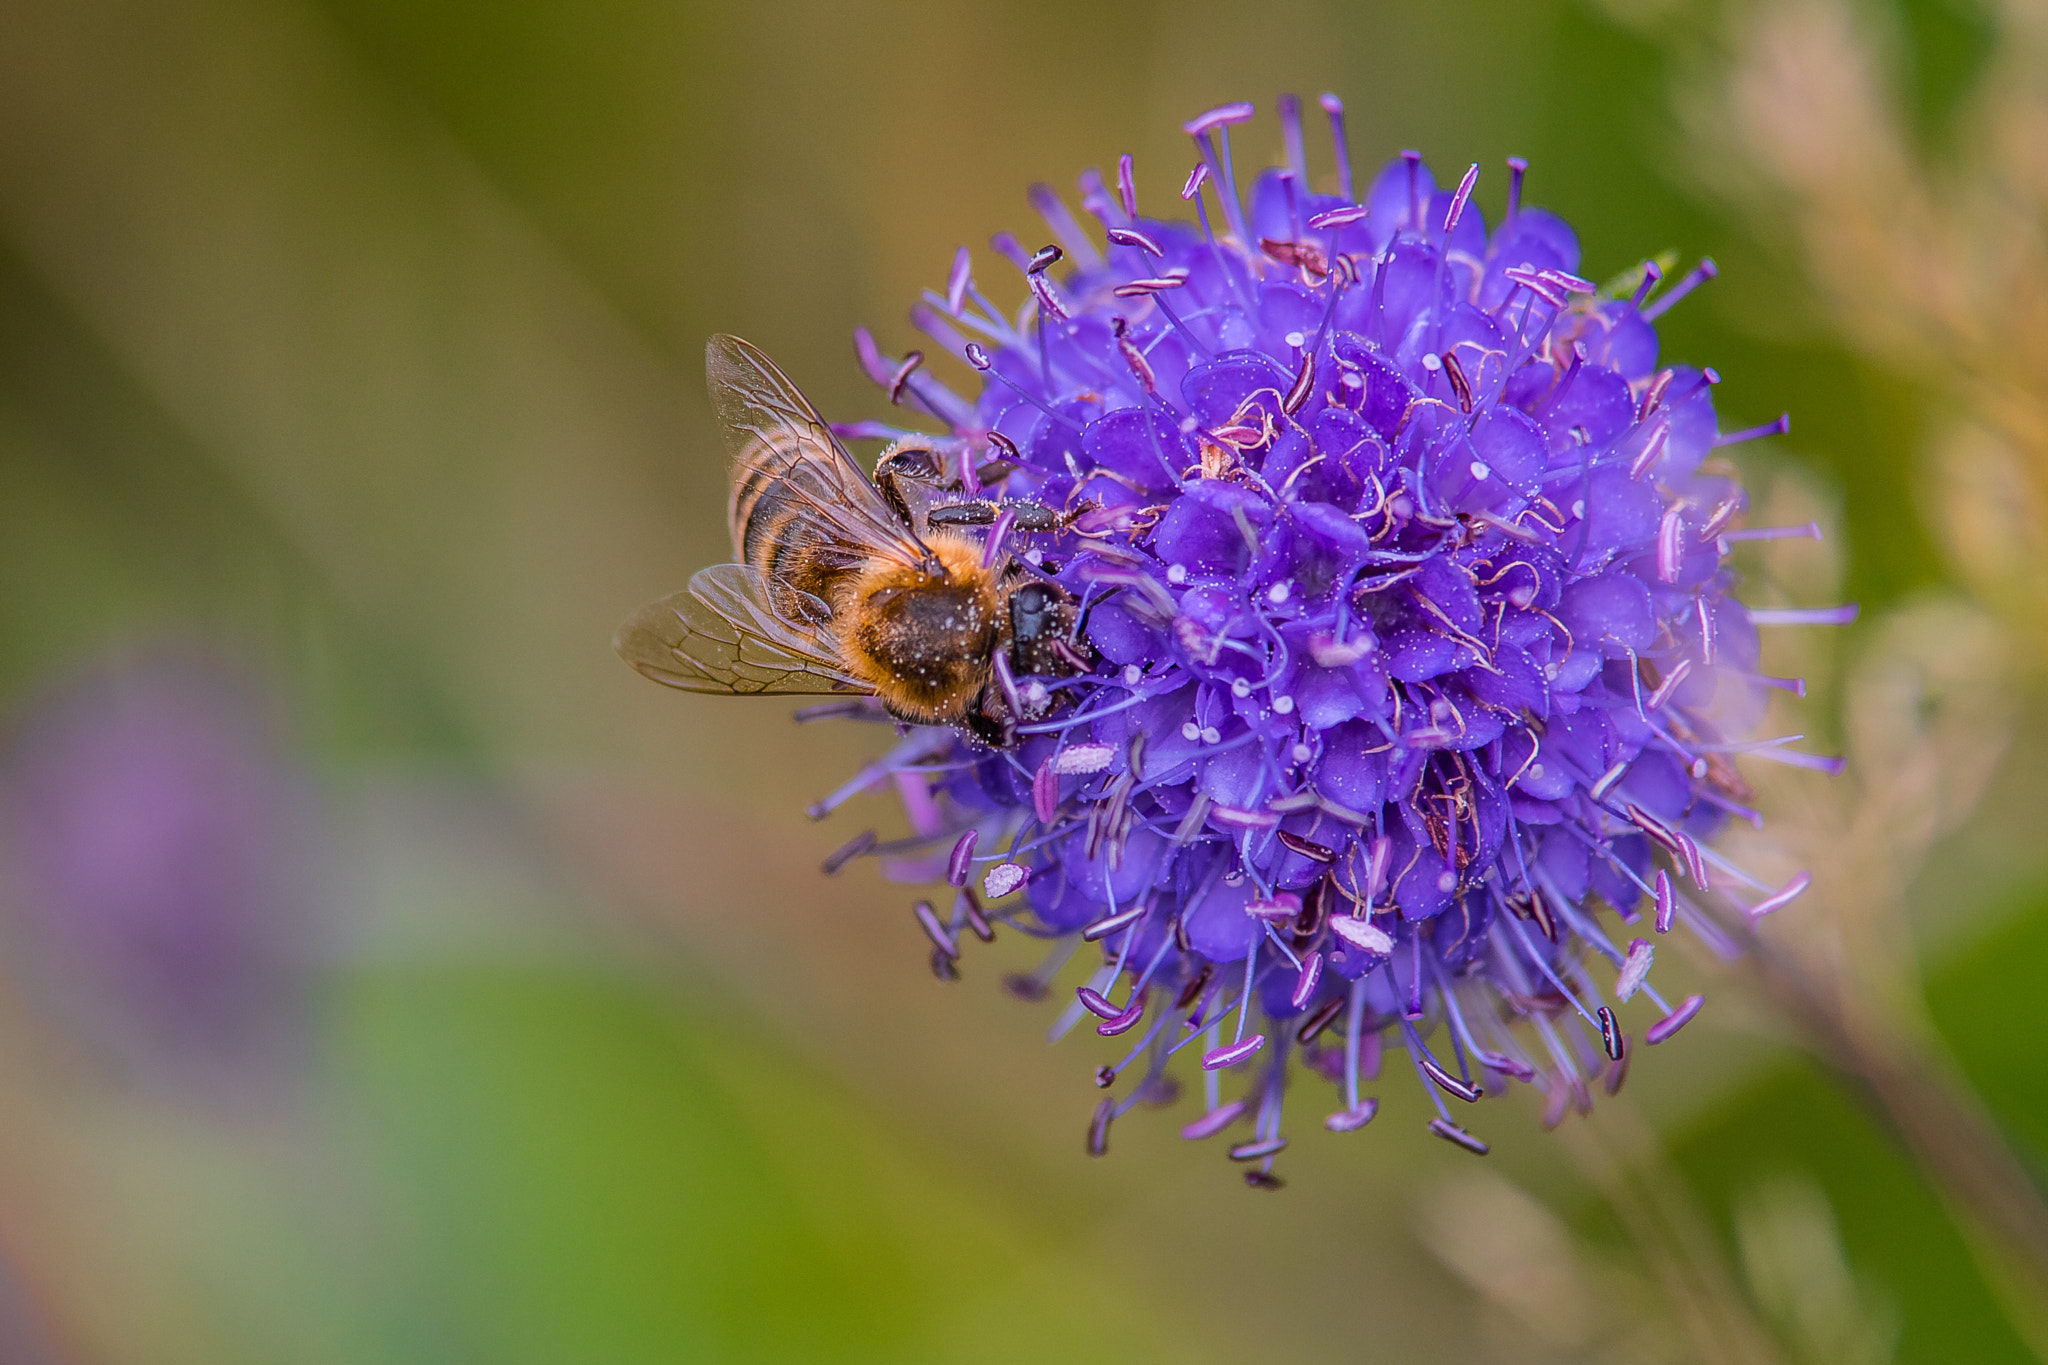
719 635
792 479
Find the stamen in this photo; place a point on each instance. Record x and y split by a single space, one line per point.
1218 1058
1096 1003
1289 110
1045 794
1457 1137
928 920
968 907
1610 1034
998 534
1252 1151
1002 879
1777 428
957 282
1124 1022
1127 187
962 859
1054 211
1098 1128
1451 1084
1667 902
1698 275
1670 684
1108 925
1214 1122
1674 1021
1818 616
1651 274
1351 1120
1670 545
1458 200
1793 890
1517 168
1334 108
1305 984
848 851
1414 160
1810 531
1312 1027
1133 237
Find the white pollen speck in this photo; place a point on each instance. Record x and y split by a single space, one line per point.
1176 573
1447 881
1352 381
1699 767
1187 425
1241 688
1132 673
1083 758
1283 705
1480 471
1191 731
1361 933
1550 672
1002 879
1295 339
1302 753
1211 735
1277 594
1579 508
1432 362
1536 770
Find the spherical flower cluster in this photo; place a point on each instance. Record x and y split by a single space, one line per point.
1412 670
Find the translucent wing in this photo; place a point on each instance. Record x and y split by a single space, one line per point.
720 635
792 482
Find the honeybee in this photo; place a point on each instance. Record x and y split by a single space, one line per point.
847 584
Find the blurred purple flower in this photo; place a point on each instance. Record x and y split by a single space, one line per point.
159 845
1403 564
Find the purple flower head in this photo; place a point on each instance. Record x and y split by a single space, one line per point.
1399 564
158 851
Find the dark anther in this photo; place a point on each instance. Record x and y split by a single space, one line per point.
1046 258
1304 385
1464 1091
1180 934
848 851
1252 1151
903 373
1193 990
1539 908
1618 1072
942 966
1264 1180
1025 987
1314 905
1313 851
1610 1035
1098 1128
1456 374
976 921
1452 1133
977 357
1105 1076
1312 1026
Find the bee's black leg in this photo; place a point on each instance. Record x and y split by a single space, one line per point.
989 721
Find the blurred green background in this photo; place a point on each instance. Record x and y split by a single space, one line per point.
350 354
